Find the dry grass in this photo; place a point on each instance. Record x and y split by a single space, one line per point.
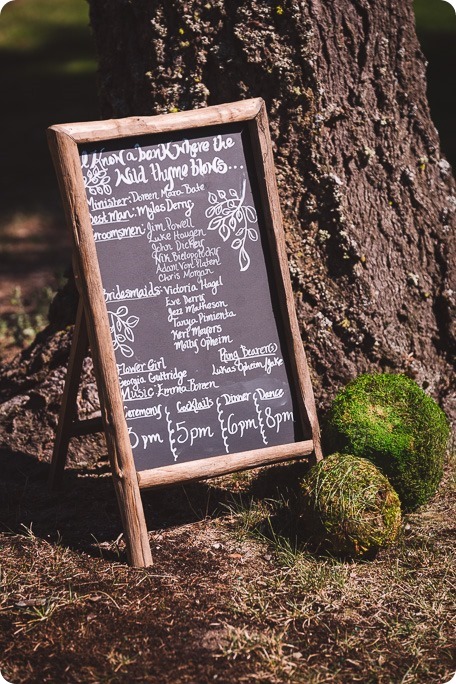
232 596
382 621
320 619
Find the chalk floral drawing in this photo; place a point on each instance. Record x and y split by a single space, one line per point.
97 181
231 217
121 329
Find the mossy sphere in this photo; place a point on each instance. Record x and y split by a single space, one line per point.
351 506
389 420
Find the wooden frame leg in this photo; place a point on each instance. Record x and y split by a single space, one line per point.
125 479
68 408
133 519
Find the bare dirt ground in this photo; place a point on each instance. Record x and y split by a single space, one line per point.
230 597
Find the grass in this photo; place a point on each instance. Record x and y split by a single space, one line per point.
20 327
47 69
386 620
362 616
27 26
235 595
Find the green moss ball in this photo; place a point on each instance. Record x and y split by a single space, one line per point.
389 420
350 505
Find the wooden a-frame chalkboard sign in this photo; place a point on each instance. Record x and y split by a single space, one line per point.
185 301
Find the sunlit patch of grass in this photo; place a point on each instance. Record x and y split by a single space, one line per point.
395 611
23 323
47 38
119 660
76 66
248 516
26 25
387 619
279 659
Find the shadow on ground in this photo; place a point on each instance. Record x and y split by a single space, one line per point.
84 516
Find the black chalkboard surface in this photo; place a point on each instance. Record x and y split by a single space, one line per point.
181 245
185 301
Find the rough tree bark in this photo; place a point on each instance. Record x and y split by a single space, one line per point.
368 199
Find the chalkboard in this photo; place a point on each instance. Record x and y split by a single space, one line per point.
181 264
184 264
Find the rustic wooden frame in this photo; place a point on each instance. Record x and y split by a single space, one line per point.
93 324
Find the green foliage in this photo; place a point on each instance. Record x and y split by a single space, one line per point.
22 325
47 74
352 507
389 420
29 26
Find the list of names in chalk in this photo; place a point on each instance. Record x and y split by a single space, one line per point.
185 281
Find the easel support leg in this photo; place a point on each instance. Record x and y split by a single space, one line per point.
68 408
133 520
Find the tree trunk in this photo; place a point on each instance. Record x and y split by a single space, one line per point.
368 200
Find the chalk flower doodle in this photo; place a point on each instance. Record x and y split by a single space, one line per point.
121 329
97 181
231 217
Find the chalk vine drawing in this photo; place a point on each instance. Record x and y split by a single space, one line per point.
171 431
121 330
218 404
230 216
97 181
260 418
